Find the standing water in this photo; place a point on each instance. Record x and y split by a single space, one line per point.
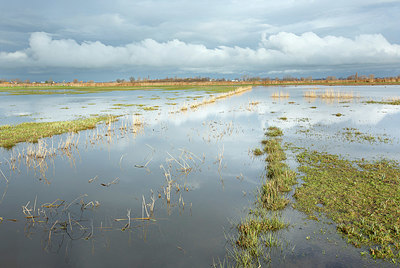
165 186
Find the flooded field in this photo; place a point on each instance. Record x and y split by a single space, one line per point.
167 183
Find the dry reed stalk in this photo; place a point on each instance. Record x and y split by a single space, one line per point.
185 167
93 179
394 99
128 214
40 151
94 204
167 189
148 161
151 205
115 181
4 176
190 156
181 201
184 107
27 212
51 230
81 196
71 141
310 94
219 159
69 218
137 121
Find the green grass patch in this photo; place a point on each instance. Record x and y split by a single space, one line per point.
10 135
123 105
255 238
280 178
24 115
362 197
257 152
389 102
274 132
150 108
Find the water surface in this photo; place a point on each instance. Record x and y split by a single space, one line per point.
207 152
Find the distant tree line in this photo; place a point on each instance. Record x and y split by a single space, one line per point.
244 78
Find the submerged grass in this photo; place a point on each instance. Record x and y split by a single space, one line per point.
10 135
391 101
362 197
354 135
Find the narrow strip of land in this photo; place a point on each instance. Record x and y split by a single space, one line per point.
10 135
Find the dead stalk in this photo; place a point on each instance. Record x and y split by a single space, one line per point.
93 179
4 176
84 195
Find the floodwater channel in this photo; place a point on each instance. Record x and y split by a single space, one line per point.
168 192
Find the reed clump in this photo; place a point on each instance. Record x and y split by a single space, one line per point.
280 95
330 94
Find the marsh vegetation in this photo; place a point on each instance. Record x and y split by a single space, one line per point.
255 176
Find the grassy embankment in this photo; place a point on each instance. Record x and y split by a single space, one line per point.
10 135
256 233
361 197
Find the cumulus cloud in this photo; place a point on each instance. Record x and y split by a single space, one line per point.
276 51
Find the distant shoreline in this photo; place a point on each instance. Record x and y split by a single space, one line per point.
155 83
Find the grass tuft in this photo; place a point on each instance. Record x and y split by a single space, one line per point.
274 132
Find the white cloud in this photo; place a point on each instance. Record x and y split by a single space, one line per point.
277 51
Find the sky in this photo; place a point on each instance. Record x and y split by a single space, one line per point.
106 40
